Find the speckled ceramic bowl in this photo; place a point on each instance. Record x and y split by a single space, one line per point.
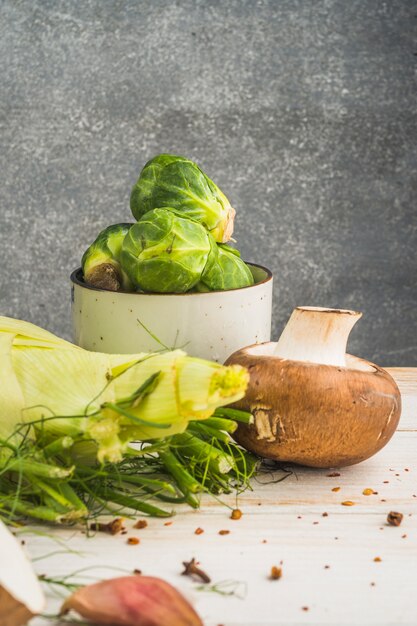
209 325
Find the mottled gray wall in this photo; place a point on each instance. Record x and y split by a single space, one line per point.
304 112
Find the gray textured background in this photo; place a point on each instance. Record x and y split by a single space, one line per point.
304 112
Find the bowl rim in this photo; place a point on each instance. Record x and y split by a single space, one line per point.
76 279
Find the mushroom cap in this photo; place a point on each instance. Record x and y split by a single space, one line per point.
312 414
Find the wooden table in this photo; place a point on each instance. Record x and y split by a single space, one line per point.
330 571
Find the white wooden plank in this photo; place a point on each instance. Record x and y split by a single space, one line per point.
339 595
406 379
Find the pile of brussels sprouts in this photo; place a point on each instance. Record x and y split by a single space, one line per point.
178 243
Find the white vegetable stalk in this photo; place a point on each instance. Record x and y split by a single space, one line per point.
21 596
317 335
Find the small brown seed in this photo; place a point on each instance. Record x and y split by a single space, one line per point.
224 532
141 523
236 514
394 518
276 573
133 541
348 503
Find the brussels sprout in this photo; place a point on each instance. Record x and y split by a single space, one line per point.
164 252
224 270
100 262
178 183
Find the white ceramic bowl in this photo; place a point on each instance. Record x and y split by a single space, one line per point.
209 325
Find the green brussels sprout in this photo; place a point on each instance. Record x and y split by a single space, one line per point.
100 262
165 253
224 270
178 183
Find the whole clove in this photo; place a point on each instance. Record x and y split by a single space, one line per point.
191 569
113 527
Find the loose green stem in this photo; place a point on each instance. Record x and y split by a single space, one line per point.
43 513
27 466
186 482
132 503
60 445
218 461
220 423
208 433
234 414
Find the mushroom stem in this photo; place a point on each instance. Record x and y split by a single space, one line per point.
317 335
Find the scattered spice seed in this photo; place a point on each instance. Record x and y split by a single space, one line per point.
113 527
325 514
305 608
168 523
377 559
327 567
137 572
276 573
198 531
382 500
348 503
386 482
236 514
141 523
133 541
333 474
394 518
403 536
124 532
406 469
336 489
264 541
299 517
372 584
191 569
314 523
368 491
224 532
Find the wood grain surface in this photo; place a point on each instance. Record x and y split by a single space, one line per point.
329 572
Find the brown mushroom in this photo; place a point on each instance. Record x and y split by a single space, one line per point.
312 403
